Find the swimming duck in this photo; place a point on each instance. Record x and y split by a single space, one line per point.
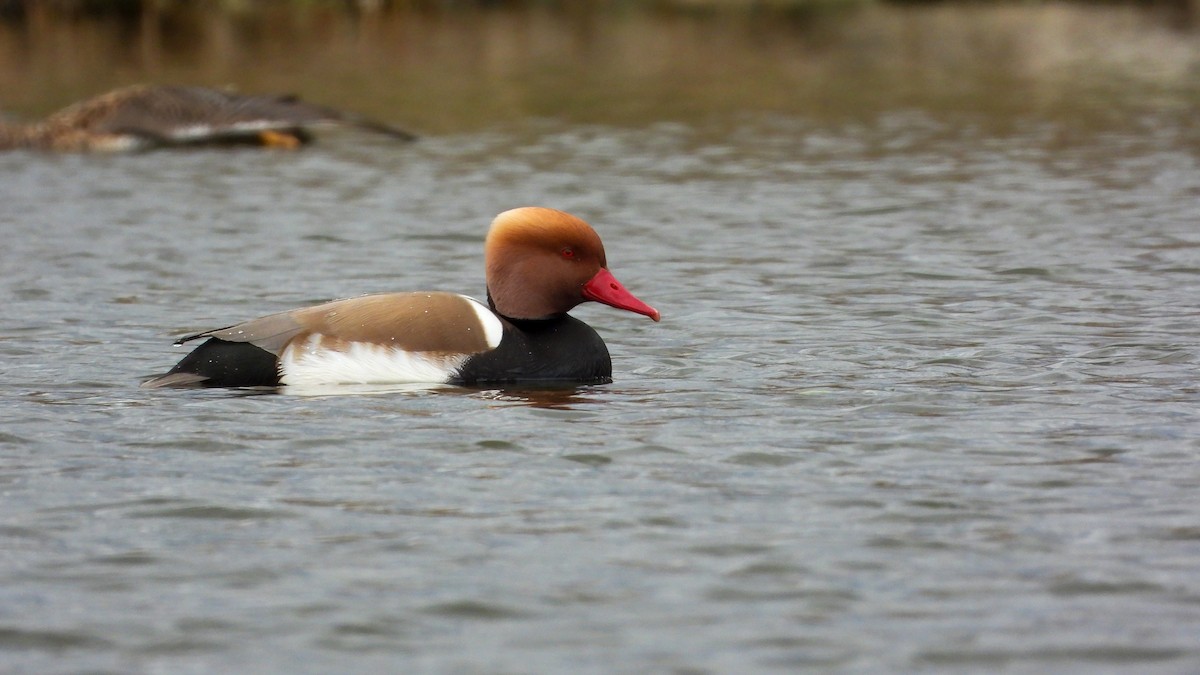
540 263
142 117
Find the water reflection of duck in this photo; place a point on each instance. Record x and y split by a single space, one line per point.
548 396
540 263
149 116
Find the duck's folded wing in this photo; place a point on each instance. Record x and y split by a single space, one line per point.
271 333
414 322
195 114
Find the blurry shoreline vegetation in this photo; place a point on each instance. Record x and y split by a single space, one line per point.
458 65
16 10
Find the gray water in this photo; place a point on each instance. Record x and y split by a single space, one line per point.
924 397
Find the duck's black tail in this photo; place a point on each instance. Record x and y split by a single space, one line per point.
219 363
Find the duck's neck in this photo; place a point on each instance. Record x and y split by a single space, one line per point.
492 306
547 317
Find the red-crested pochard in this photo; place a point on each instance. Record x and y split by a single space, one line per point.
540 264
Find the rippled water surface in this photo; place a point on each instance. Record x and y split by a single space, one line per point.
924 397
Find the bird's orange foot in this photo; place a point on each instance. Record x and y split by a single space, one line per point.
279 139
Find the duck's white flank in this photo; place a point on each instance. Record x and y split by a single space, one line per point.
201 130
119 143
307 364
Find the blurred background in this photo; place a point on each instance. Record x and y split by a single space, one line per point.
446 67
923 399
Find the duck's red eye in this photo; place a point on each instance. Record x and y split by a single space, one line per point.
568 253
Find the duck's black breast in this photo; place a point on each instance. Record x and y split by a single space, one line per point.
559 349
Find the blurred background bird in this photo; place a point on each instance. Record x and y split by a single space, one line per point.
143 117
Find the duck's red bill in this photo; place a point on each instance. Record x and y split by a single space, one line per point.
605 288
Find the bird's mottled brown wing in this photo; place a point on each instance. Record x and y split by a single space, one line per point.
174 114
